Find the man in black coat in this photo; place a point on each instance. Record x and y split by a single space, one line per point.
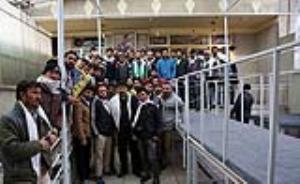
236 112
146 126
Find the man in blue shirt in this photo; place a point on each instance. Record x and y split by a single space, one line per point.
166 66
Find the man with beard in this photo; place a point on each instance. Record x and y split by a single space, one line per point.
123 107
146 126
26 137
168 102
103 127
81 132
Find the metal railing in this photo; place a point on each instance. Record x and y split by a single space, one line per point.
264 87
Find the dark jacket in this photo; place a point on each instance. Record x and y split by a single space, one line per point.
122 72
17 150
182 67
104 122
110 71
148 123
236 111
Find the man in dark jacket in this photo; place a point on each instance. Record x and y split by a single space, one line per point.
103 127
26 138
182 64
123 70
236 112
146 126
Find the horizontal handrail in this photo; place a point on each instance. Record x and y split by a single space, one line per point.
227 171
247 58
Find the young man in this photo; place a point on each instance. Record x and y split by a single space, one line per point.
103 127
123 107
26 138
81 132
146 126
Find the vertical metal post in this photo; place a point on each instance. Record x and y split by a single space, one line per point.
187 121
194 167
273 118
60 46
207 94
261 99
202 107
176 104
99 28
242 101
216 97
226 86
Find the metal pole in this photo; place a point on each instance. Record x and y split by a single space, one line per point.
262 95
273 119
60 46
242 101
99 28
194 167
216 100
208 95
176 104
202 107
187 121
226 86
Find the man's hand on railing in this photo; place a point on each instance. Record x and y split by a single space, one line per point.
45 145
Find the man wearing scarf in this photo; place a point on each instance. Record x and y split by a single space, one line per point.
26 137
52 96
123 107
139 67
146 126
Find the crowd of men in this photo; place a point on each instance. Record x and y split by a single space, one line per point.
121 109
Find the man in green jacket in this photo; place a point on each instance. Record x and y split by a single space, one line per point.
26 138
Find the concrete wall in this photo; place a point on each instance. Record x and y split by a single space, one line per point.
23 46
7 99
